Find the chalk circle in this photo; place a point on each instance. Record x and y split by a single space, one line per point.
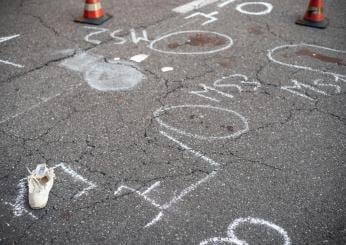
115 76
222 240
268 6
255 221
245 128
229 44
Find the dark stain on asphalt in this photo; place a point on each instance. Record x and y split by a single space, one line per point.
225 62
321 57
257 30
228 127
201 40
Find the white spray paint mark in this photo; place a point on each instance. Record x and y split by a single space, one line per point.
268 7
186 8
114 76
136 39
223 4
139 58
155 220
167 68
318 82
233 239
42 102
244 81
255 221
116 59
183 193
19 207
4 39
121 40
19 204
81 62
152 44
298 86
272 51
209 16
76 176
99 31
245 129
206 89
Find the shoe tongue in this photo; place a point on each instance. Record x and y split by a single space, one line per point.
40 170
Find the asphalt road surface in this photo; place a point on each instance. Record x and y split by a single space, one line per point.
175 122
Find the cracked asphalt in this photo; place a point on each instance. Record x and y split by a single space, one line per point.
266 141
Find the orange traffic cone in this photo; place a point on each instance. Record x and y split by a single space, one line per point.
314 15
93 13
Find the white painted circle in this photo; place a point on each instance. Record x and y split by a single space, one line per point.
115 76
201 137
268 9
152 44
255 221
221 240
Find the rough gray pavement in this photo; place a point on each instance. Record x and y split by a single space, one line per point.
244 145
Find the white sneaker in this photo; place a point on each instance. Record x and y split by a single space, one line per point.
40 183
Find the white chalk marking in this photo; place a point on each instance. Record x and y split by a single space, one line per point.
19 204
11 63
152 44
99 31
209 16
121 39
77 176
116 59
113 76
43 101
148 199
244 80
271 52
156 184
155 220
245 129
318 82
197 4
268 9
216 240
233 239
298 86
223 4
166 69
189 149
4 39
136 39
81 62
139 58
206 89
256 221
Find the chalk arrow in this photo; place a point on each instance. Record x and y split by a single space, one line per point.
4 39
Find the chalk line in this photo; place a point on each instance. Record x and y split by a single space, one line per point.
268 7
43 101
11 63
19 204
233 239
223 4
272 51
209 16
245 128
152 43
139 58
77 176
167 68
155 220
4 39
256 221
197 4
